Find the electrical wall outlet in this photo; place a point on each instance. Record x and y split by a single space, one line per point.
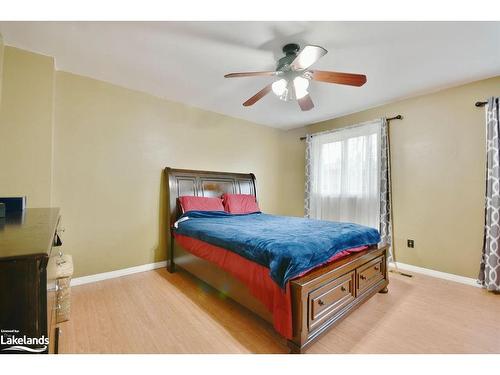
410 244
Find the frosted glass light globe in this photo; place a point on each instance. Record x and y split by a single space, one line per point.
300 85
279 86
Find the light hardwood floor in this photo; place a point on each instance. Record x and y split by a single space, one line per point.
158 312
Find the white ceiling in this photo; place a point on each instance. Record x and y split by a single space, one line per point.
185 61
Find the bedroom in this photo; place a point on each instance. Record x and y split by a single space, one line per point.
119 124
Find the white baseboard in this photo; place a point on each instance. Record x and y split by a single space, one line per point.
151 266
438 274
118 273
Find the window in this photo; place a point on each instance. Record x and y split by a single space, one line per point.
345 175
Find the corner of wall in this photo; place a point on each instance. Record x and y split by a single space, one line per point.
292 172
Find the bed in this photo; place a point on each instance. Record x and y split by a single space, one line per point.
301 307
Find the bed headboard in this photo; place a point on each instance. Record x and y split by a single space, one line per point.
204 184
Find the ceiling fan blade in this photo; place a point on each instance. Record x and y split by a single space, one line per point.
308 56
340 78
250 74
258 96
306 103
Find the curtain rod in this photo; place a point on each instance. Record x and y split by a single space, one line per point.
481 104
397 117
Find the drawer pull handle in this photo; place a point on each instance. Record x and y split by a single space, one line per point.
342 288
59 288
320 302
362 277
376 268
57 241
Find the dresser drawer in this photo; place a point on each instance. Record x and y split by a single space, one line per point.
329 298
370 274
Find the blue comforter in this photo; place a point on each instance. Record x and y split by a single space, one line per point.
286 245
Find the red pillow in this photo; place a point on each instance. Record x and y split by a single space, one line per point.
240 203
191 203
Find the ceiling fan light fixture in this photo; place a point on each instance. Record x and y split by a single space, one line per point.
293 76
279 86
300 85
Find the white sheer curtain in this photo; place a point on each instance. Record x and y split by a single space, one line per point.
345 175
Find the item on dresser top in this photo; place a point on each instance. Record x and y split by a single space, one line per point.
13 203
64 272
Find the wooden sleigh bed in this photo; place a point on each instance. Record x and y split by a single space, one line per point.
320 299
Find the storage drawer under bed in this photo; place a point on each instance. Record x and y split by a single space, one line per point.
370 274
325 298
329 298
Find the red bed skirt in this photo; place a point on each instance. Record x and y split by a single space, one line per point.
256 277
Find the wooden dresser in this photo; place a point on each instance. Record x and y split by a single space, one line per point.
27 306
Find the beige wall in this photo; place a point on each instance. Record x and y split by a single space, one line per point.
438 171
26 126
111 145
293 172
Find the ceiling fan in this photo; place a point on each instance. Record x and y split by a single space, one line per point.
293 76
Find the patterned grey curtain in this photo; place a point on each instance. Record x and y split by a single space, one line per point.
489 274
307 197
385 187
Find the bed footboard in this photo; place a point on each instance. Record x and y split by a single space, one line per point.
326 296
